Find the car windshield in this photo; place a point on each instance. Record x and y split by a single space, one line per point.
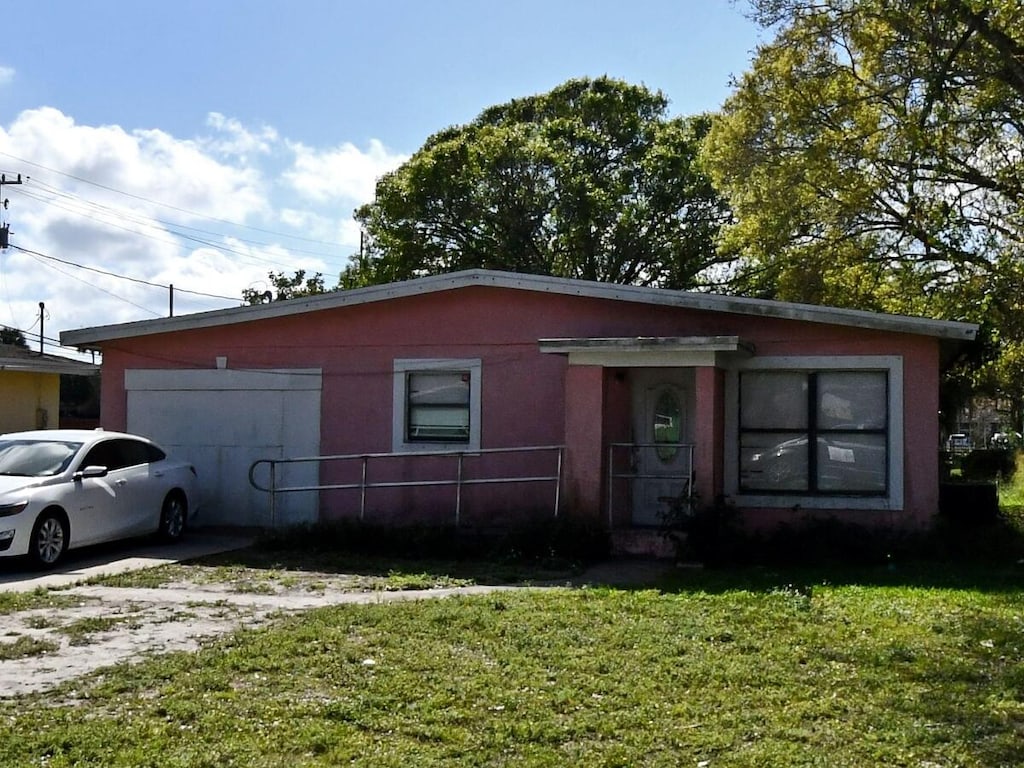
35 458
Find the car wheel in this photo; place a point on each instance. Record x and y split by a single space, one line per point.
172 517
49 538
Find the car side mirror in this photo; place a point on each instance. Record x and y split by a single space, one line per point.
90 471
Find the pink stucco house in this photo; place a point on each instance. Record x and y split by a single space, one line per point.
630 396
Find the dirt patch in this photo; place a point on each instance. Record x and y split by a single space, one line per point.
106 625
42 648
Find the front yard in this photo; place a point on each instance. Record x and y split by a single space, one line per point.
902 665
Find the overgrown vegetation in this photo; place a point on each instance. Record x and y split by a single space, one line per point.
973 526
549 542
719 668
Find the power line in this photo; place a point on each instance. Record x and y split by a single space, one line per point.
147 222
143 222
113 295
123 277
167 205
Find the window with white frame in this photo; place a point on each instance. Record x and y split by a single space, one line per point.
436 405
814 432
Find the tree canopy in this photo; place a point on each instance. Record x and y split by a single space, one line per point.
592 180
12 337
285 287
873 158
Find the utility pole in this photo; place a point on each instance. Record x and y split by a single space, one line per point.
42 319
5 228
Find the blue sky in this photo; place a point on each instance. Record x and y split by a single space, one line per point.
152 130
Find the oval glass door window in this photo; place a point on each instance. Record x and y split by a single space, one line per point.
667 425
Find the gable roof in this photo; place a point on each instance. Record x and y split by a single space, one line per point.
93 338
23 360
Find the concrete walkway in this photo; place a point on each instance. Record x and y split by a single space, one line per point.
122 557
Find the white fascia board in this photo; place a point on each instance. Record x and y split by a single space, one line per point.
49 366
649 352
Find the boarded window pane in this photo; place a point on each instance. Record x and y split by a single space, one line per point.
852 400
773 400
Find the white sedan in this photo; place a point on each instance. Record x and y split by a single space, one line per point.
68 488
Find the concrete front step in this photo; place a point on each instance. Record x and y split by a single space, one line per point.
643 542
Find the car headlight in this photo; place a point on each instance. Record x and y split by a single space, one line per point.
6 510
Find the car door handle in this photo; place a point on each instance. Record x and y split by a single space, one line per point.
120 482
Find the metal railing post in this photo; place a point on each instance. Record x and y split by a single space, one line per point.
611 480
458 493
275 488
558 483
362 490
273 494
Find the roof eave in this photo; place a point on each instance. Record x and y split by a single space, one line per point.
94 337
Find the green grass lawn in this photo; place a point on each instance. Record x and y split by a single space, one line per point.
906 666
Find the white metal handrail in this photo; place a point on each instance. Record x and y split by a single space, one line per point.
459 481
686 475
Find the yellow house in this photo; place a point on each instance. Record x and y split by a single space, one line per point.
30 387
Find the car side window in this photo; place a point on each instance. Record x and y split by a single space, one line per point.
103 454
134 453
120 453
153 454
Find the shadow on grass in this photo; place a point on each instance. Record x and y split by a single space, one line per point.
987 558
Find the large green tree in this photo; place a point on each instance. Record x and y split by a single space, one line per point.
872 156
592 180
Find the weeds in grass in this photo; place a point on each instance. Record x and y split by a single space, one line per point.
81 631
773 671
15 602
24 646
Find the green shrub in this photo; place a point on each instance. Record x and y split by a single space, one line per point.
714 537
988 464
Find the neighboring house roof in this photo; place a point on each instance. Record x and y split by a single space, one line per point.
93 338
23 360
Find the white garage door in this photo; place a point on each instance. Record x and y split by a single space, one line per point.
224 420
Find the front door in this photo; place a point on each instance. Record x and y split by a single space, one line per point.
662 456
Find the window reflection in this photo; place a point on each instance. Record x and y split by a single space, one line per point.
667 425
843 414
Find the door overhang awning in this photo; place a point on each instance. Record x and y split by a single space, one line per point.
651 351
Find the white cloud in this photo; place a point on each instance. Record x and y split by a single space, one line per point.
6 75
340 229
146 205
238 140
166 176
129 203
344 172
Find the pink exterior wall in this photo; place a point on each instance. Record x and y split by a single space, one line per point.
709 433
523 391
